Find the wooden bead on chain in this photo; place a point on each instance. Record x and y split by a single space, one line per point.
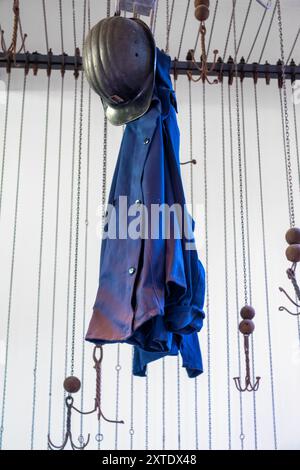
246 327
293 253
202 10
72 384
293 236
247 312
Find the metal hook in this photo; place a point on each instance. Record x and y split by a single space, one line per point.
204 70
192 162
97 407
68 436
291 274
249 387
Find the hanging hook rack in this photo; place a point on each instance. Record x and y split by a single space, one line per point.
246 327
293 254
12 50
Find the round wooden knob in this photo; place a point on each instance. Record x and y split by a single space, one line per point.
247 312
246 327
197 3
72 384
202 13
292 236
293 253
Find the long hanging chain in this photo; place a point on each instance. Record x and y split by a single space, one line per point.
58 187
118 370
131 430
169 18
163 403
192 213
289 173
12 266
183 28
86 233
207 270
41 250
249 254
71 221
226 270
262 210
147 411
4 138
236 277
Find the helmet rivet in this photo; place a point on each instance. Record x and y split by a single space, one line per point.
147 141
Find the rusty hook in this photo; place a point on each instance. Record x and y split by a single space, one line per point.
246 327
68 436
291 274
97 406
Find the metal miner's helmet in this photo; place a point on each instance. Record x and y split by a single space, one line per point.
119 60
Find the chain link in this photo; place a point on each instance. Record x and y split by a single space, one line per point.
12 266
41 249
58 186
183 28
266 280
226 269
236 276
289 174
207 269
4 139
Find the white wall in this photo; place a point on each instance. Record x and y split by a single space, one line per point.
284 329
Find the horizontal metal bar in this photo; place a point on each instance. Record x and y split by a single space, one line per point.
35 61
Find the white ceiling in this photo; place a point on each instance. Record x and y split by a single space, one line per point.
33 25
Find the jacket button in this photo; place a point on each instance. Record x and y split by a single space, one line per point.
131 271
138 202
147 141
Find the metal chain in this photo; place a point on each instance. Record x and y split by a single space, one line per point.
118 369
293 46
262 210
4 139
268 34
75 100
131 430
249 255
58 186
257 34
86 233
147 411
163 403
289 174
226 269
207 270
211 29
12 267
284 145
41 250
296 135
155 18
183 28
240 168
77 218
236 277
169 15
45 25
178 405
74 24
244 26
191 147
61 26
192 213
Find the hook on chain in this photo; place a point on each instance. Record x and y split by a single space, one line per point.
97 407
246 327
293 254
68 436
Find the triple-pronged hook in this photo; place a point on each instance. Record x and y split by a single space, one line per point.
246 327
97 407
12 50
68 436
293 254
